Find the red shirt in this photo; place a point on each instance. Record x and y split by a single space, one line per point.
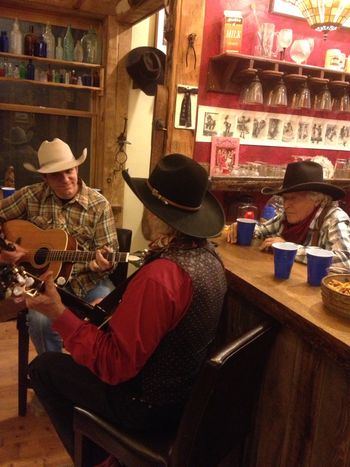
154 302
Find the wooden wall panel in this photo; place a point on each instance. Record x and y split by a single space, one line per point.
185 18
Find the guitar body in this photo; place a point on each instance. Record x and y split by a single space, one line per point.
38 243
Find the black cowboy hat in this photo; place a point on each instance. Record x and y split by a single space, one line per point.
305 176
145 66
176 192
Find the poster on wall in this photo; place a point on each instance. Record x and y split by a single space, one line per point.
272 129
224 155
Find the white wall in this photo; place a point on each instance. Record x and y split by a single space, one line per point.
140 115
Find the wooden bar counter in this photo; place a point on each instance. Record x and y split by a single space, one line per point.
303 414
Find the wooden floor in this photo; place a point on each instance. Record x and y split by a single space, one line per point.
24 441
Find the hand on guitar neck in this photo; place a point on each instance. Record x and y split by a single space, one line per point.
48 302
10 253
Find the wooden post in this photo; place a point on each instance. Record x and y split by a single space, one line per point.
185 18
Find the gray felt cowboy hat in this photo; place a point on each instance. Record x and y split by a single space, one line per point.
176 192
55 156
19 136
305 176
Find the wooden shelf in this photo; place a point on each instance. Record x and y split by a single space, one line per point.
227 71
49 83
51 61
58 64
249 184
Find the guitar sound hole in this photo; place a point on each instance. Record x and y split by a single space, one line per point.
41 255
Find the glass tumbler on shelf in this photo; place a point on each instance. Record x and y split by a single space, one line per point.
267 35
254 93
323 100
279 95
304 97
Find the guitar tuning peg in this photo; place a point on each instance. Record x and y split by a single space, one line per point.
17 291
20 279
29 281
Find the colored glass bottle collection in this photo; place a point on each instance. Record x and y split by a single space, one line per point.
44 44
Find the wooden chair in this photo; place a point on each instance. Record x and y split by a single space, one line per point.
216 419
118 275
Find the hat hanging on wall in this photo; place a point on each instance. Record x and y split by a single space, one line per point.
145 66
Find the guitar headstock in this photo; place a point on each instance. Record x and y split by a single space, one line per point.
15 281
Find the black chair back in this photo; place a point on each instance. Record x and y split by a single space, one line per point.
216 419
219 414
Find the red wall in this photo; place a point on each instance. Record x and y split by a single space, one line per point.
211 46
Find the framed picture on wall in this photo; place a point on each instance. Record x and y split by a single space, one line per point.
285 7
224 155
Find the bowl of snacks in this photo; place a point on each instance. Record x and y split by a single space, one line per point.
335 290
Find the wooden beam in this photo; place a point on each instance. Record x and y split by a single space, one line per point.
132 14
185 18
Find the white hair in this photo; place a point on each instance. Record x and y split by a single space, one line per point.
320 198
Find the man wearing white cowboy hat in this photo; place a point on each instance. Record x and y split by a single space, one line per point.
311 216
139 372
63 201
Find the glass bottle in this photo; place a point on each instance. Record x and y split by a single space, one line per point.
59 49
50 41
9 70
4 42
22 70
68 45
49 75
78 52
16 72
40 49
29 41
73 78
2 67
30 70
16 39
90 45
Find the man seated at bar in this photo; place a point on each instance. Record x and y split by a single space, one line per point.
139 371
311 216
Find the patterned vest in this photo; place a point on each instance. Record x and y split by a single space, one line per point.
168 376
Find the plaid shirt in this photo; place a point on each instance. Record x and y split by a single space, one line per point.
87 217
334 235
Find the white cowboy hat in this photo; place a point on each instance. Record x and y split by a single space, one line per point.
55 156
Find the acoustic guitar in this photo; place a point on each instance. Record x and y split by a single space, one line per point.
51 249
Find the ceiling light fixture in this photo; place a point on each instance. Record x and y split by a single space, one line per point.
324 15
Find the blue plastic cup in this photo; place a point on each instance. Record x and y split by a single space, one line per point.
245 231
318 263
284 255
7 191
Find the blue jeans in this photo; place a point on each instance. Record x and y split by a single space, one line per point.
44 338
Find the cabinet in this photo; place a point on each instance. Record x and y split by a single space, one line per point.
228 71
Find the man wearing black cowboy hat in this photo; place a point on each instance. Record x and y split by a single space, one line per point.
311 216
139 371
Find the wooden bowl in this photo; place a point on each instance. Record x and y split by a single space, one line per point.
335 290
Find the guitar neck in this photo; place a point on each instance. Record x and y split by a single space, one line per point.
76 256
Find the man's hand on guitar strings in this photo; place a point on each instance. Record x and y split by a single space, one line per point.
100 263
48 302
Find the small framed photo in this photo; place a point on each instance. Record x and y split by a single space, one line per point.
224 156
285 7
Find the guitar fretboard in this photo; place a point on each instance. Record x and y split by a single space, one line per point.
76 256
